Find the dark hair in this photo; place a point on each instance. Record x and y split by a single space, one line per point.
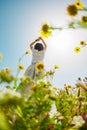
38 46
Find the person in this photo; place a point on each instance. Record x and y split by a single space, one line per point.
38 48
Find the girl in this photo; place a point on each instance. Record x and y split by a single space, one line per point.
38 51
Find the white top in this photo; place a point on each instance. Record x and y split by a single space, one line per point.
37 55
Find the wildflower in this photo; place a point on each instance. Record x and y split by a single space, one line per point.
84 19
68 86
20 67
77 49
78 121
26 80
27 52
33 87
79 4
12 93
53 111
6 75
60 117
6 70
39 67
45 30
72 10
1 56
56 67
3 122
49 73
83 43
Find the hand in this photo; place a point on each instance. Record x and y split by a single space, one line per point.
38 39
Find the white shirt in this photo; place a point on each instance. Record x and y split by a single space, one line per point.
37 55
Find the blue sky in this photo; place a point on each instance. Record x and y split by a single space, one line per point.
20 22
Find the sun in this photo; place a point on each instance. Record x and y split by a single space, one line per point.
61 42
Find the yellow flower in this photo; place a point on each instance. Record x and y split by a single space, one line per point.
79 4
33 87
21 67
72 10
77 49
49 73
45 31
56 67
36 121
83 43
39 67
27 52
84 19
69 87
1 56
6 70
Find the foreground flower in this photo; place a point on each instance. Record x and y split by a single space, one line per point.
39 67
21 67
72 10
1 56
77 49
45 31
6 70
6 76
84 19
3 122
78 121
79 5
27 52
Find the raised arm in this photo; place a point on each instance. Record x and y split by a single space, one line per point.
31 45
40 38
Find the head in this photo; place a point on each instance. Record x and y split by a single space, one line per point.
38 46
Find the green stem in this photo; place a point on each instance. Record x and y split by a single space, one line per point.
54 28
16 78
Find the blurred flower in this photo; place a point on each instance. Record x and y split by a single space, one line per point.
6 70
39 67
49 73
21 67
84 19
77 49
53 111
84 115
68 86
1 56
56 67
3 122
26 80
45 30
10 97
33 87
12 93
27 52
78 121
79 4
60 117
6 76
83 43
72 10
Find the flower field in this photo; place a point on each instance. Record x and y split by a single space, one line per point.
27 104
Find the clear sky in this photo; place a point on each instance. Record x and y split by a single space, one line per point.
20 22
